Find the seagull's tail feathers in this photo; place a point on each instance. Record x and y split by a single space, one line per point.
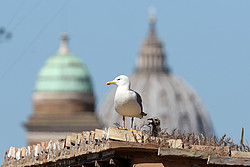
143 114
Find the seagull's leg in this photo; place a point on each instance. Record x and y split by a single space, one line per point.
123 118
132 121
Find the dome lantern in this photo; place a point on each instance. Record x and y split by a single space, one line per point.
64 49
152 56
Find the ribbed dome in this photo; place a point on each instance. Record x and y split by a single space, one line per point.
63 72
164 95
63 84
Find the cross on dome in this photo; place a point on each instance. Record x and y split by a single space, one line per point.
152 18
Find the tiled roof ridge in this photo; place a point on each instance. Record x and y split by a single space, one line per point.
90 142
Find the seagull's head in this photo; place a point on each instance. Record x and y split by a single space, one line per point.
120 81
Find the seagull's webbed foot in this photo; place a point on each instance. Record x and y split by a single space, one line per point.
132 130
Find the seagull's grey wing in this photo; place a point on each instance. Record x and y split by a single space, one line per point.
139 100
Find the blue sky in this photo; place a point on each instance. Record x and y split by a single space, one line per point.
207 44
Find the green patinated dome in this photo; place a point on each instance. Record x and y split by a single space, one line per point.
64 72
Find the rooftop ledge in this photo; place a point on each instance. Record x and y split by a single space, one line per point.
116 147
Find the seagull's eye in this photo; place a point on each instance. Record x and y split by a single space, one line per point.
118 79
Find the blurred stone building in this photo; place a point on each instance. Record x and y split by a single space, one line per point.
63 100
164 95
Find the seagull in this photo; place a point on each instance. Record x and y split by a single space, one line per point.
128 102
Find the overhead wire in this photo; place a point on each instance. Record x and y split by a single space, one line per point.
5 33
20 5
33 41
28 13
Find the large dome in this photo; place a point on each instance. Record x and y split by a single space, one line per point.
64 81
64 72
163 95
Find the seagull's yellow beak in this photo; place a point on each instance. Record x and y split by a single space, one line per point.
110 82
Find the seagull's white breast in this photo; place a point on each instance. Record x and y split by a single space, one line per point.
126 103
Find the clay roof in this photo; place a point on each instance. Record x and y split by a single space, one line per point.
112 146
